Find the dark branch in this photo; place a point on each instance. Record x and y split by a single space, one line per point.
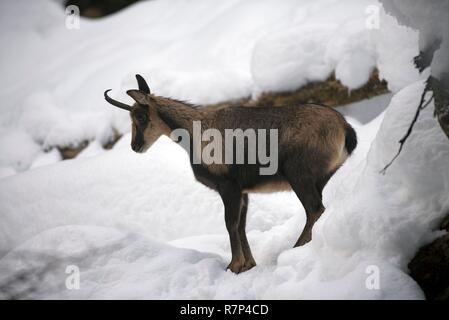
421 106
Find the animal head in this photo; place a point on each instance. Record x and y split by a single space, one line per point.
146 126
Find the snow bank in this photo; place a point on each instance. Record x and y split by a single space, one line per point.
53 78
46 158
17 149
432 23
396 46
314 45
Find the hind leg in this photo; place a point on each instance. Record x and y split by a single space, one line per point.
305 186
306 234
321 182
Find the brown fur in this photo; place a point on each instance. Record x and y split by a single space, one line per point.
313 142
157 127
269 187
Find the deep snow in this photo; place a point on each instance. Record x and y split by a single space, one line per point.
209 51
432 22
139 226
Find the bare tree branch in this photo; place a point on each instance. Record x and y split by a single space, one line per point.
421 107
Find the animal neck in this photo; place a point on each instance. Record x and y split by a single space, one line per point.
177 114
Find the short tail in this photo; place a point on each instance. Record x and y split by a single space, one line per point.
350 139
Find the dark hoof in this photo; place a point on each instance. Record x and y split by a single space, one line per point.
303 240
249 264
238 266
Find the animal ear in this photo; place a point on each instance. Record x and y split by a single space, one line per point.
138 96
143 86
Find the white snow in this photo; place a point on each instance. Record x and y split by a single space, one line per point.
94 148
140 226
366 110
200 51
314 45
46 158
17 149
396 46
432 23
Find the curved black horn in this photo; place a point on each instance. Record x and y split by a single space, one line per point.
143 86
116 103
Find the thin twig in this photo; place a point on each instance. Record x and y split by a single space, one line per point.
421 106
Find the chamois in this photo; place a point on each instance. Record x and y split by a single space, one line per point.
313 142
